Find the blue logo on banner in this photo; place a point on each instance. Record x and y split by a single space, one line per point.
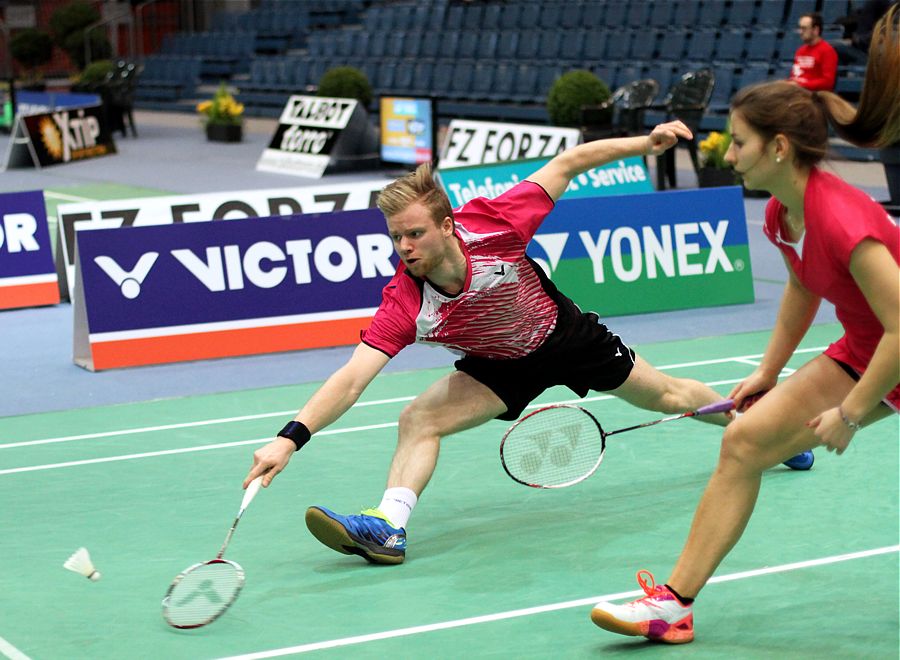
191 273
24 237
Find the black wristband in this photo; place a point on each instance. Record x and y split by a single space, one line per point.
296 432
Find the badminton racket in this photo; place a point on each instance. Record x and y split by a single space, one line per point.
563 444
202 592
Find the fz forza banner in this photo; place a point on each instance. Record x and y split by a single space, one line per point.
175 209
62 136
481 143
254 287
316 133
27 273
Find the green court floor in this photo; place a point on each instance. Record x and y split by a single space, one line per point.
494 569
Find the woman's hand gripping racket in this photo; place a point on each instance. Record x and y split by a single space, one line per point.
560 445
202 592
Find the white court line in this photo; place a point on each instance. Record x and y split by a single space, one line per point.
11 651
238 443
225 420
182 450
529 611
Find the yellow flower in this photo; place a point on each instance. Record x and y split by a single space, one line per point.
223 108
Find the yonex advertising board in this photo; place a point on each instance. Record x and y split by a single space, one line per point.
174 209
479 142
27 272
190 291
316 133
648 253
627 176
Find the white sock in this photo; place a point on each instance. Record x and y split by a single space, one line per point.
397 504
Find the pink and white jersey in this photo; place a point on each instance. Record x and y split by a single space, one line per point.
837 217
505 309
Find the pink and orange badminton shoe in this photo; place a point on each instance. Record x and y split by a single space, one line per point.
658 616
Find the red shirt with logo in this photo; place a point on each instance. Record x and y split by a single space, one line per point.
837 218
505 309
815 67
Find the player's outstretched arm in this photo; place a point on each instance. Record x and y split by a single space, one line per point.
555 175
333 399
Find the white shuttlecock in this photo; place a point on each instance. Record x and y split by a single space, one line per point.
80 562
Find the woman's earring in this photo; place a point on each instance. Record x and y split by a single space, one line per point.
777 159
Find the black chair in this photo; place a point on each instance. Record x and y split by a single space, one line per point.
687 100
622 114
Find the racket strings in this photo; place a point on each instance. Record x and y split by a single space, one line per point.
553 448
202 593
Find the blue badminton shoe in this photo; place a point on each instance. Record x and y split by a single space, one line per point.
802 461
368 534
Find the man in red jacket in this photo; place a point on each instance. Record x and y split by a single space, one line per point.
815 62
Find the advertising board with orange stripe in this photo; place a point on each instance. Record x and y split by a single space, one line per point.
27 272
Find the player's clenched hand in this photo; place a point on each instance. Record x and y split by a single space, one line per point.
665 136
831 431
270 460
751 389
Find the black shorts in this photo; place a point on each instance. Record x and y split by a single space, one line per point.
581 353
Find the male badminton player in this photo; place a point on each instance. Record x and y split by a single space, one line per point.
465 282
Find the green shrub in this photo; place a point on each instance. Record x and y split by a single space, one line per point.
68 23
346 82
570 93
96 72
31 48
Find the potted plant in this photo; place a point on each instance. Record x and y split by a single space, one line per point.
346 82
571 93
714 171
223 116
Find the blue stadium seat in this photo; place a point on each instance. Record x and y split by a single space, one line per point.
551 16
468 44
615 15
491 18
442 76
762 45
741 14
730 46
525 83
684 13
832 10
570 17
798 8
487 44
595 44
482 81
529 41
503 82
661 14
788 46
530 16
572 48
422 77
701 45
454 18
618 45
377 44
723 88
592 14
661 72
507 45
509 16
771 14
671 47
461 80
421 17
550 45
752 74
472 17
547 75
638 13
712 13
643 48
403 76
607 72
627 74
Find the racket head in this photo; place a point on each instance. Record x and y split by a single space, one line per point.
201 593
553 447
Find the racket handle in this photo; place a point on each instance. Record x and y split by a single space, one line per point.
722 406
251 492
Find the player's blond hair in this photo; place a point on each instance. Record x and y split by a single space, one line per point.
416 187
